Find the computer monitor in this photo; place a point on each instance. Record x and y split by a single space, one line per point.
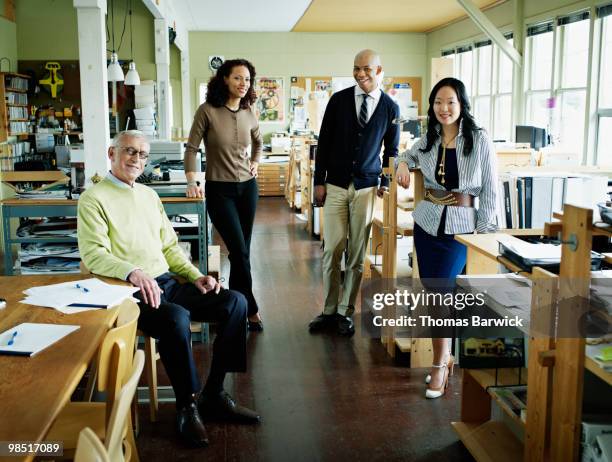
535 136
412 126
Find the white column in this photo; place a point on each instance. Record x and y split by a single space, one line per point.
94 87
518 101
186 96
162 62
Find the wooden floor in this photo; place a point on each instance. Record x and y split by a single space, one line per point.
321 397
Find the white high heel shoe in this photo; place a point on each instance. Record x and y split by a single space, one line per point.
452 358
432 393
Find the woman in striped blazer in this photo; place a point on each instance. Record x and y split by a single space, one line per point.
458 163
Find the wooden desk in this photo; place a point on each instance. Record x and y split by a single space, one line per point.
17 208
33 390
483 251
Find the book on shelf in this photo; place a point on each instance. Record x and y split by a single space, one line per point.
13 82
530 199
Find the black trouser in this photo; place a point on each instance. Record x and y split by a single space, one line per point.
231 207
170 324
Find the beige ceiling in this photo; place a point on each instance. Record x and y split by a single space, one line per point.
381 15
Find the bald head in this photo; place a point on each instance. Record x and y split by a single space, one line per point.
368 55
367 69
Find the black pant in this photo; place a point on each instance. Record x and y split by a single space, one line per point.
170 324
231 207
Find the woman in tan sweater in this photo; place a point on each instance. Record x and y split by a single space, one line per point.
230 130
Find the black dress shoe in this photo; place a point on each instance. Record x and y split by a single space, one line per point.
223 407
190 426
345 325
255 326
321 322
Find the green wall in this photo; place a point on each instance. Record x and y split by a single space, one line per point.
286 54
175 81
47 29
8 44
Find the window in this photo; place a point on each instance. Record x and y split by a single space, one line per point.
488 77
502 91
481 102
538 82
556 93
604 107
569 120
464 67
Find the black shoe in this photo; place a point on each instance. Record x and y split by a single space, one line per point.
321 322
255 326
223 407
345 325
190 426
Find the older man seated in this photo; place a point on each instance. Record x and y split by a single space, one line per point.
124 233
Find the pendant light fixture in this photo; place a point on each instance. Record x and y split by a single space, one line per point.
114 71
132 77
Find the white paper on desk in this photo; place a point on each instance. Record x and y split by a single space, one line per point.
516 293
541 252
59 296
32 337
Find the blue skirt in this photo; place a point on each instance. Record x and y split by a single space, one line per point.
441 256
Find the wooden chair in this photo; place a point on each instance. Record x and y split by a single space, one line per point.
119 424
114 364
89 446
151 357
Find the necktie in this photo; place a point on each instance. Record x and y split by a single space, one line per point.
363 112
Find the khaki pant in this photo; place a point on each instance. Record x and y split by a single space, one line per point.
347 212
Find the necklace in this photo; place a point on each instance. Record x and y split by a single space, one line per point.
441 167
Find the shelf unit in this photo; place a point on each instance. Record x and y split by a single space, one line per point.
13 98
272 178
552 428
19 208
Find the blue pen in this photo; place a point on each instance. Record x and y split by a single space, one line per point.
84 289
12 340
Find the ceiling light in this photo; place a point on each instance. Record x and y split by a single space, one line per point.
115 73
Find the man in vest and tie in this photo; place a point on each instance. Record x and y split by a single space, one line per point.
348 167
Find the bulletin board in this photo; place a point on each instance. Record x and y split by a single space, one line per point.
307 103
308 97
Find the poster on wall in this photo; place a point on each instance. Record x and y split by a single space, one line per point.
270 105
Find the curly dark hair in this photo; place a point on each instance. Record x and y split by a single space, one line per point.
469 124
218 94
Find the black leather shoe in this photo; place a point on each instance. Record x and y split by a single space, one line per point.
223 407
190 426
255 326
345 325
321 322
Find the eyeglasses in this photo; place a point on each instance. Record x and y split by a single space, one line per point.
142 155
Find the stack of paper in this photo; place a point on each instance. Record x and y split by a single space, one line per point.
144 95
27 338
43 258
538 254
601 354
76 296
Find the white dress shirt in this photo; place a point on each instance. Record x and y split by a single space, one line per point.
477 177
372 102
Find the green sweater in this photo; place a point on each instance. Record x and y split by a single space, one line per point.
121 229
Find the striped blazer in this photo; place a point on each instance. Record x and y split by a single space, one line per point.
477 176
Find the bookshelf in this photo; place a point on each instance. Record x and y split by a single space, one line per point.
13 105
555 365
